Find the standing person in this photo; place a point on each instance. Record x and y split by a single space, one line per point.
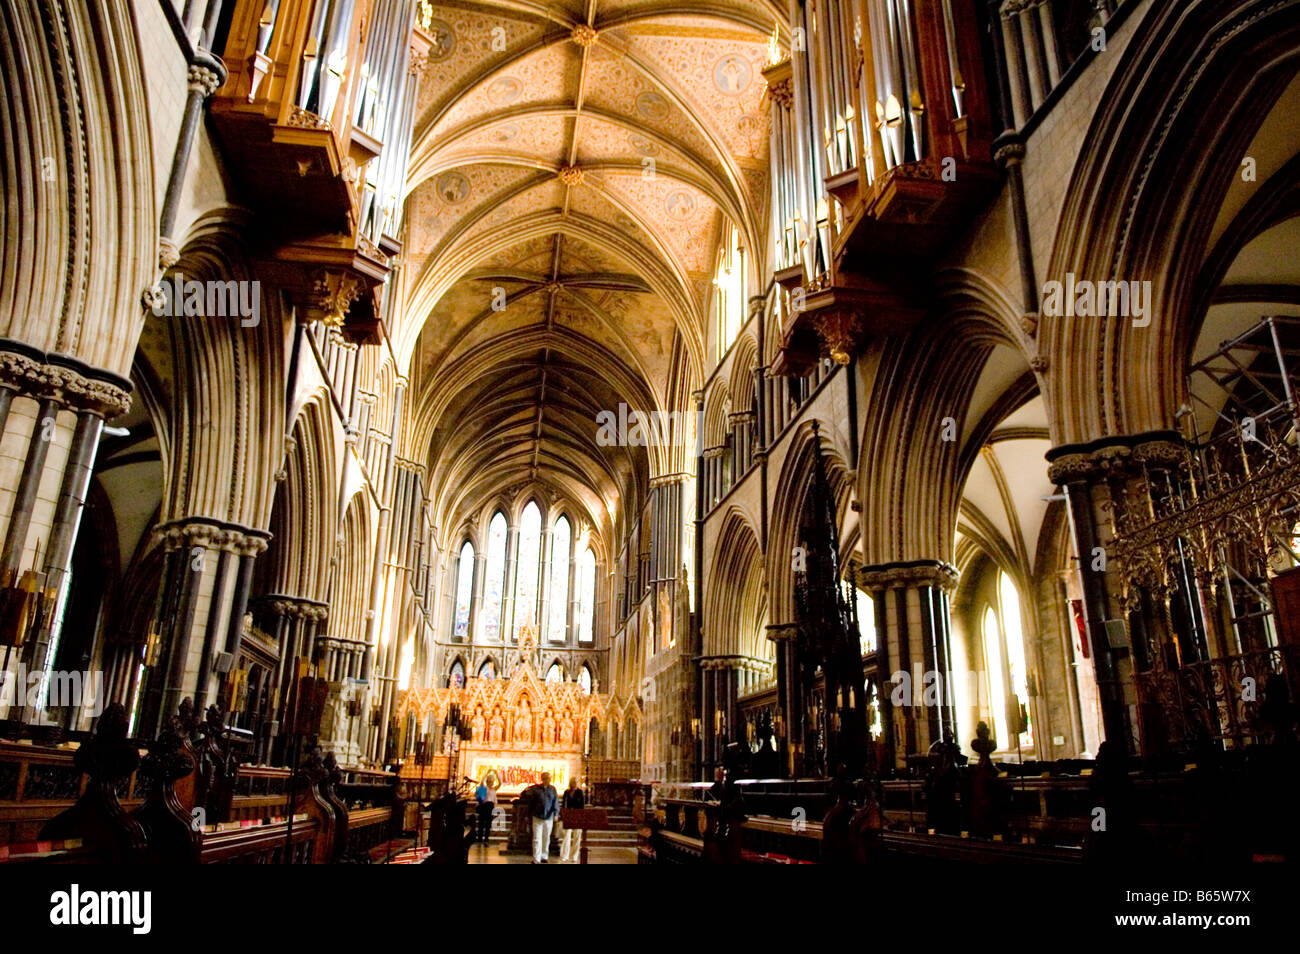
546 805
486 796
572 843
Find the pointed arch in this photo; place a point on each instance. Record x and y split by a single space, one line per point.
735 613
791 490
1187 67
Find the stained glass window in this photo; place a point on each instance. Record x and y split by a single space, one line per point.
488 670
496 575
561 537
528 568
586 594
555 673
457 677
464 590
584 679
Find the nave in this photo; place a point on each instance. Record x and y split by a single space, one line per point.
827 431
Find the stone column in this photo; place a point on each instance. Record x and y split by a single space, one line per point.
1022 105
789 699
188 544
1096 477
544 586
476 601
59 406
299 622
571 613
713 476
912 638
508 588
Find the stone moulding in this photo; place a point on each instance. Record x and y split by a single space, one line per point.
79 387
933 573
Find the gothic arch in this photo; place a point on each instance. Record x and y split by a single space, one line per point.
744 358
222 407
1184 71
735 594
352 572
792 488
303 521
928 414
716 406
79 163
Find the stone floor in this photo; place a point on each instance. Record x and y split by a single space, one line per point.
495 855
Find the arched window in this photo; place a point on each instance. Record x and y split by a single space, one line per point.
488 670
496 576
561 537
464 590
729 283
586 594
1014 639
866 621
584 679
528 568
555 673
997 683
1004 660
456 678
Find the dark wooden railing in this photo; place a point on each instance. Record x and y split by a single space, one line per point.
107 801
1230 807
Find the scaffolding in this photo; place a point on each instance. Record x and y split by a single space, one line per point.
1247 388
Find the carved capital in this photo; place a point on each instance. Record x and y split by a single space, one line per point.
200 79
937 575
1071 468
779 632
178 534
98 397
1160 454
1011 153
76 391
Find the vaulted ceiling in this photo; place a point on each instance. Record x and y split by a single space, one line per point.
573 167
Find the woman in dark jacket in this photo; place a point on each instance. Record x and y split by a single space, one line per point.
572 841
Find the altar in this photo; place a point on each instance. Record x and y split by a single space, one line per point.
520 725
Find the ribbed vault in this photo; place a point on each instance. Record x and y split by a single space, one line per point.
573 171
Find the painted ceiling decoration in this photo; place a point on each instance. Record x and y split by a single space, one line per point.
573 170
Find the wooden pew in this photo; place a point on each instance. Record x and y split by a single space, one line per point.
38 782
63 806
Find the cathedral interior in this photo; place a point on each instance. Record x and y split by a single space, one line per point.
819 431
